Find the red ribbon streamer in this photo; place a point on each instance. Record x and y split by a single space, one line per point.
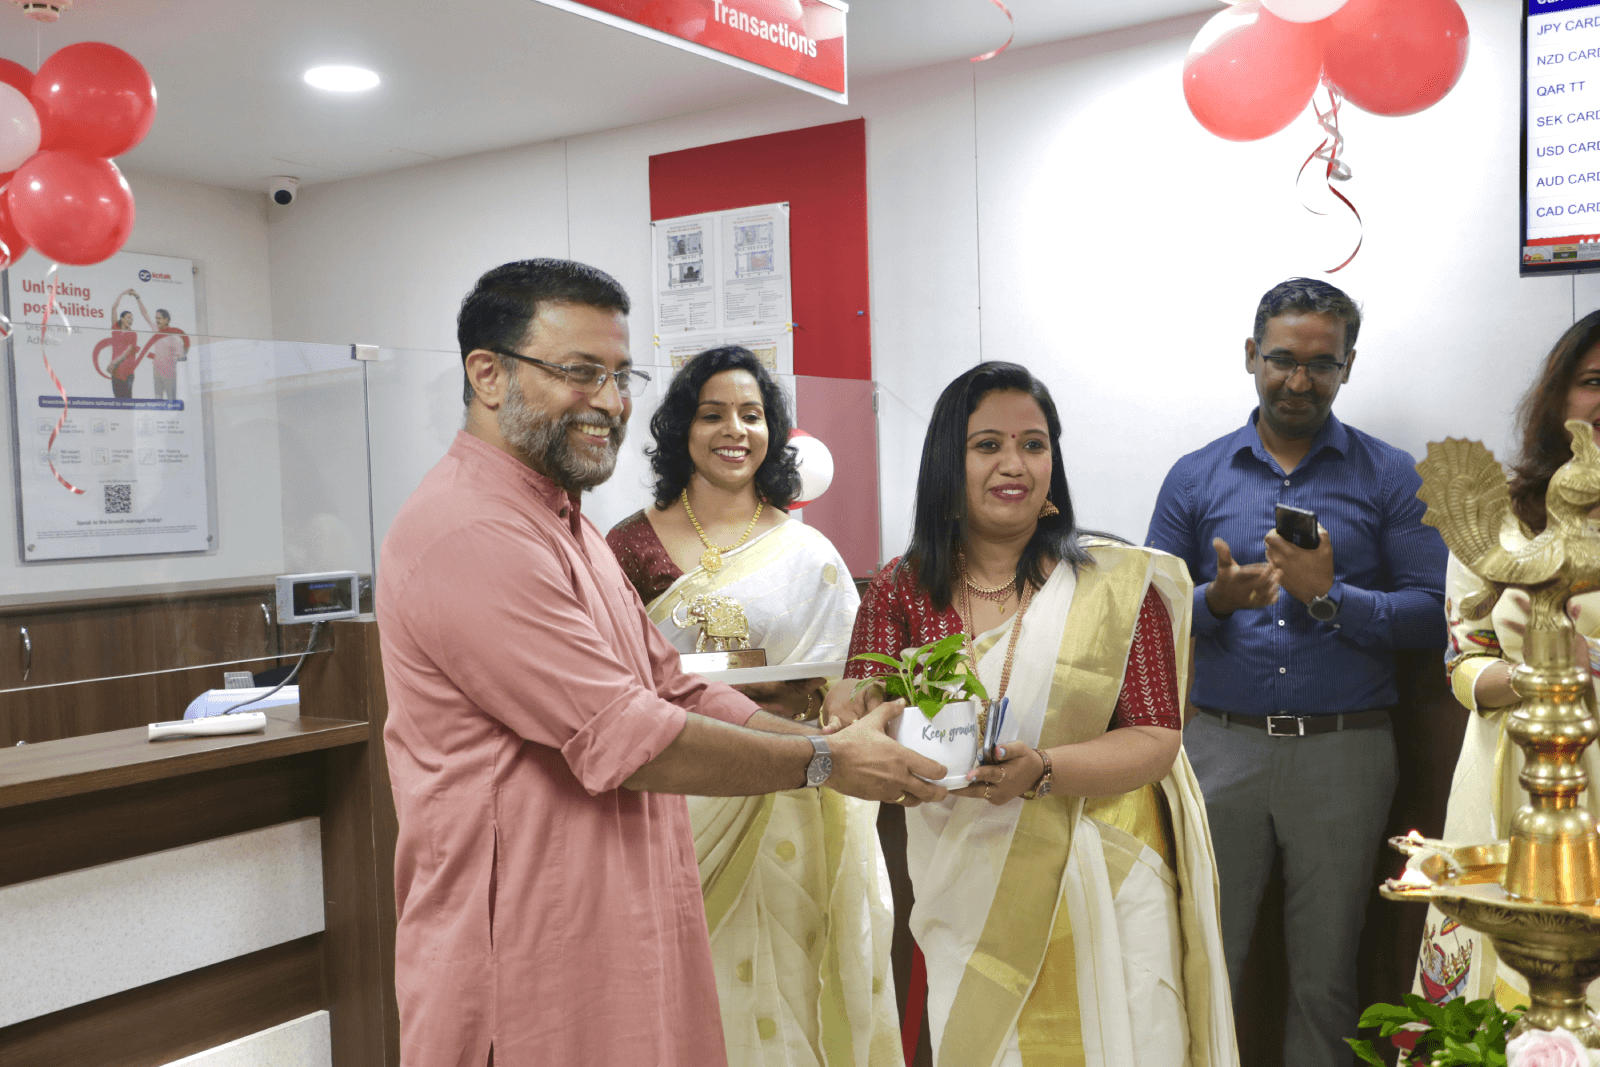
105 342
1007 12
1330 148
50 445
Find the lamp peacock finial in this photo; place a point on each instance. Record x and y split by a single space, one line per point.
1470 504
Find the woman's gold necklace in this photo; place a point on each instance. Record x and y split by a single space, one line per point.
999 594
711 559
968 627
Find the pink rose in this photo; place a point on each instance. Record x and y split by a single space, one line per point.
1547 1048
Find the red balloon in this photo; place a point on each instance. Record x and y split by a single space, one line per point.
1250 73
17 76
73 208
16 247
1396 59
94 99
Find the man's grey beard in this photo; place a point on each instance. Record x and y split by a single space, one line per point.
544 441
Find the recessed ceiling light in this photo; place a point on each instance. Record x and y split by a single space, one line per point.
341 79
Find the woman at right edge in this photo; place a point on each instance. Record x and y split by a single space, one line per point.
1456 961
1066 901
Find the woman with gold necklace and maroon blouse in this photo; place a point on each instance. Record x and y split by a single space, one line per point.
799 931
1066 899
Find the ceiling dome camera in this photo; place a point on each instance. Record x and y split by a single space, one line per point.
281 190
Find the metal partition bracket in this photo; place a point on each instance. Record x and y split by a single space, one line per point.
364 353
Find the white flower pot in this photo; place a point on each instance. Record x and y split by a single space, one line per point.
950 737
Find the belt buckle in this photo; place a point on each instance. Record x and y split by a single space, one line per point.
1286 726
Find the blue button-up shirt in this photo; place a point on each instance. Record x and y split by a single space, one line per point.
1388 571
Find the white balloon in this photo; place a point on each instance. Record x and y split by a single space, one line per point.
816 466
19 128
1303 10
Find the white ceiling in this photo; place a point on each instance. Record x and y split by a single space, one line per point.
464 76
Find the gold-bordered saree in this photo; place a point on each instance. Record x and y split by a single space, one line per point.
1063 932
800 932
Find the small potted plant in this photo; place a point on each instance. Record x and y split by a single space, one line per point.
943 699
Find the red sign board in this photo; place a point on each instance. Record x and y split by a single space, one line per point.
799 42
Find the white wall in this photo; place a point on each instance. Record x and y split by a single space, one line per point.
1057 206
225 232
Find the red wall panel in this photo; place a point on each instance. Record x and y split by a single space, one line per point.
821 172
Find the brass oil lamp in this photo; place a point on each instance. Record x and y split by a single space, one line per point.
1535 896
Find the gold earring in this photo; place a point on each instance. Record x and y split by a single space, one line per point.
1049 509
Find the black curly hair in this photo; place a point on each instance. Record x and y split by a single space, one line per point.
778 477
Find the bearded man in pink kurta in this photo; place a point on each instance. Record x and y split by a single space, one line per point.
540 725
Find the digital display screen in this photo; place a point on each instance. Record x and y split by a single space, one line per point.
1560 136
324 596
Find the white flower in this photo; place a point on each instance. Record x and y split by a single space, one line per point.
1548 1048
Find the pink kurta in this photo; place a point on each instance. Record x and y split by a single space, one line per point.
543 909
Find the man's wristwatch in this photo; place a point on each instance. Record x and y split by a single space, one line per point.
1043 788
821 764
1323 608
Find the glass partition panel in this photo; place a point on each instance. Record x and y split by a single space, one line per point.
416 409
207 467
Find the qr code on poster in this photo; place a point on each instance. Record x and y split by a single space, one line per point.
119 498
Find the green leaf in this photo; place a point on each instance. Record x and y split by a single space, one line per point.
930 706
894 687
1431 1014
1363 1049
976 688
1378 1014
877 657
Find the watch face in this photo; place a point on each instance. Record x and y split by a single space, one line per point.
1322 609
818 769
1044 788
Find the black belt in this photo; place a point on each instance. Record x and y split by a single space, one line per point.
1290 725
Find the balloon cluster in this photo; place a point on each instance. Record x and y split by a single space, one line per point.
1253 68
59 191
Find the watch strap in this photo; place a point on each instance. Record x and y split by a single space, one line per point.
821 765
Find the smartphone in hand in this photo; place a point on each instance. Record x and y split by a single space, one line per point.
1297 526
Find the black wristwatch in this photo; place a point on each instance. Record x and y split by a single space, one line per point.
821 764
1323 608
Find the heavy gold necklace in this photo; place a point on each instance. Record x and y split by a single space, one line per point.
711 559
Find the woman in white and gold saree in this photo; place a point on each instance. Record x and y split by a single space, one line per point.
799 929
1457 961
1066 901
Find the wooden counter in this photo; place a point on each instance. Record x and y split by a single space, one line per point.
83 801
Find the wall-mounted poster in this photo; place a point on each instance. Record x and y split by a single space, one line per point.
133 437
722 278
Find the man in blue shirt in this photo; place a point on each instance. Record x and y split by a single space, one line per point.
1294 659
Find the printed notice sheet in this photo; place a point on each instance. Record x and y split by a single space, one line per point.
723 279
134 435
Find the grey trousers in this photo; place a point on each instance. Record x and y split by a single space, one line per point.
1321 803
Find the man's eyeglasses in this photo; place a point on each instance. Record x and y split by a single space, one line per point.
1321 370
589 377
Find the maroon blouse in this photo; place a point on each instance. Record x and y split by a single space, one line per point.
895 614
643 557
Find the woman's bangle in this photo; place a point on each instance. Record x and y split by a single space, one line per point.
1042 789
806 714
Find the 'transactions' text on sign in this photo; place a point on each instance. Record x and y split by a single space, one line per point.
1562 180
799 42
